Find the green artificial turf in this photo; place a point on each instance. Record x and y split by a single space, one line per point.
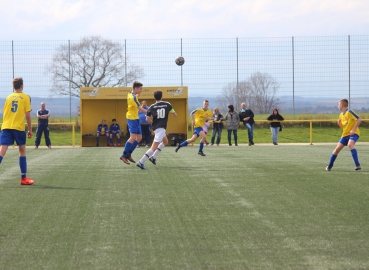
259 207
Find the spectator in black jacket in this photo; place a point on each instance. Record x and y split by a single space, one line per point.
247 117
275 126
217 126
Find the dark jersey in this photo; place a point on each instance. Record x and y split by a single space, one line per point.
43 122
159 111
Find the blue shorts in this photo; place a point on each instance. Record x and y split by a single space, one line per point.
197 131
345 140
134 126
8 136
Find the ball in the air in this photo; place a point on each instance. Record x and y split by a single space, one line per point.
180 60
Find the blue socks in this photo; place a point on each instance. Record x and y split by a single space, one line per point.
332 159
355 157
23 166
201 146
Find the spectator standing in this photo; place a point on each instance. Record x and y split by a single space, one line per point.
275 126
247 117
232 121
42 126
217 126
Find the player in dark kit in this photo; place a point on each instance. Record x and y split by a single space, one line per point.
43 126
157 114
114 131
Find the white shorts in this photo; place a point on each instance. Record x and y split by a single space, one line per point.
159 134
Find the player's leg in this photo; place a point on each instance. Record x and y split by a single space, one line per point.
202 135
161 137
341 143
196 134
351 145
6 139
20 139
97 138
134 128
118 138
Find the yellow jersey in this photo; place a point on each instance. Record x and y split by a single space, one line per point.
133 104
15 107
200 116
348 121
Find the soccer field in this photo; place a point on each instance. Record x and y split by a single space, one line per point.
259 207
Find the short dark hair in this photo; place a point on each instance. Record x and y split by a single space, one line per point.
136 84
17 83
158 94
114 120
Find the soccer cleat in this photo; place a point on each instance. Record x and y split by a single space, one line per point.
275 143
49 146
230 144
201 153
118 144
97 144
26 181
36 147
153 160
250 143
177 148
147 146
110 144
131 159
358 168
236 144
124 159
141 166
328 168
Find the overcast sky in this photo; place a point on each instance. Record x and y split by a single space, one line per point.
161 19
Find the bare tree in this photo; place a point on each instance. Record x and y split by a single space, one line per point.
92 62
233 94
263 88
258 92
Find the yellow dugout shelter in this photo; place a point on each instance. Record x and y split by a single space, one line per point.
111 102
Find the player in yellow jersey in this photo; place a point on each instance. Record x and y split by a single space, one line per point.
349 121
198 117
133 123
17 105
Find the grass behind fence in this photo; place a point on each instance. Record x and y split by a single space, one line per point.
261 207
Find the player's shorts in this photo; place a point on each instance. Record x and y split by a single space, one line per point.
8 136
159 134
197 131
345 140
134 126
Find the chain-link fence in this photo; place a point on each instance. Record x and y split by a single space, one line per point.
320 67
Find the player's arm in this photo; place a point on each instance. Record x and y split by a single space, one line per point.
193 117
357 124
29 124
173 112
141 109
